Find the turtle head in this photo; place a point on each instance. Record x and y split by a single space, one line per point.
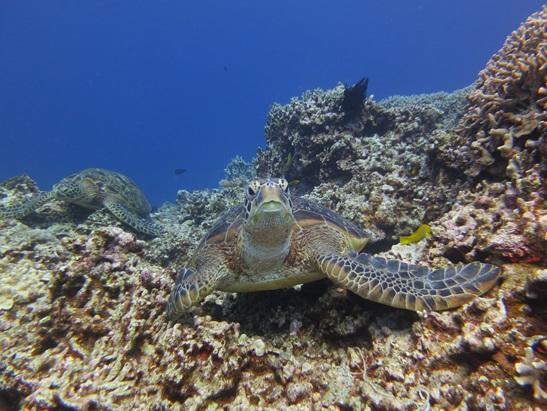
268 204
68 191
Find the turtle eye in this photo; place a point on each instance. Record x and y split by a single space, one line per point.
250 191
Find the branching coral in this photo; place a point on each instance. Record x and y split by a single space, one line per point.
507 118
238 172
533 370
503 137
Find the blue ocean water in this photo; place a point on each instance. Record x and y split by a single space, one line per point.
146 87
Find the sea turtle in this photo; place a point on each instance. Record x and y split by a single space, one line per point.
95 188
272 241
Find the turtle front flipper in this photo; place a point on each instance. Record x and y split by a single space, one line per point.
128 217
408 286
24 209
192 286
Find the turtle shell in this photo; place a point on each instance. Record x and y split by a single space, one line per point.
109 184
307 213
227 227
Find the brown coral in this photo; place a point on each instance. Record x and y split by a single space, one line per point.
502 136
506 120
492 222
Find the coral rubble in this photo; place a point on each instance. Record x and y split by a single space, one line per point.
501 140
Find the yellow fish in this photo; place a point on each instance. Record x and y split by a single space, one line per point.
423 231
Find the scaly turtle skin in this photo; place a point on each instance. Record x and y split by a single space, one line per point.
272 242
95 188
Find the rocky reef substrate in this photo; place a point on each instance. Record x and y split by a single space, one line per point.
83 325
82 298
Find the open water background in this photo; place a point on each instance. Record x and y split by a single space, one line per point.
146 87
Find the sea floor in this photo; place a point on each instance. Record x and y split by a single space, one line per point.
83 327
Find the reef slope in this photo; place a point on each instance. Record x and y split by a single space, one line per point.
82 301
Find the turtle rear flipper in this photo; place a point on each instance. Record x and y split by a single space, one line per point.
24 209
128 217
408 286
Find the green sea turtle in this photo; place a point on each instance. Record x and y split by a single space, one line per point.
95 188
272 241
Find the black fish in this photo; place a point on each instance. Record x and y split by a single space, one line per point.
354 98
179 171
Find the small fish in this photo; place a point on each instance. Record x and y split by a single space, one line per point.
423 231
354 98
179 171
294 182
287 165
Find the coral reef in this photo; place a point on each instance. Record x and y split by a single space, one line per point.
501 144
402 162
506 122
84 327
17 189
492 221
451 105
238 173
379 169
82 302
502 134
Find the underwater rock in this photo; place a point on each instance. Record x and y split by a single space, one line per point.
85 328
492 222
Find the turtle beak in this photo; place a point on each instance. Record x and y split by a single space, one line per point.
271 199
